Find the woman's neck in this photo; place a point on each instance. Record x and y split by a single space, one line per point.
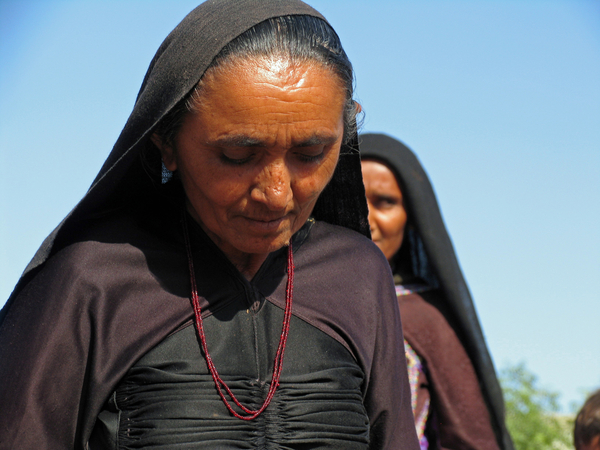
248 264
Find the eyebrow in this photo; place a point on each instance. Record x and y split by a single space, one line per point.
317 139
242 140
238 140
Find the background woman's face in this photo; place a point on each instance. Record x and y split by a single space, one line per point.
260 149
387 215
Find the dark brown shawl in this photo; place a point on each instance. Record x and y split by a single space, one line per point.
459 417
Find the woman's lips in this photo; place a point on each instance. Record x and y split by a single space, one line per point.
265 224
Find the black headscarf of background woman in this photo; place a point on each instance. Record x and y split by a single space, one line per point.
427 256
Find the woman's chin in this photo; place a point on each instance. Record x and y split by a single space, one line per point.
265 236
265 245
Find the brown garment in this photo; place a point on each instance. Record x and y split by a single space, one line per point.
101 304
460 418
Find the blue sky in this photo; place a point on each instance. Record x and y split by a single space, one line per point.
499 99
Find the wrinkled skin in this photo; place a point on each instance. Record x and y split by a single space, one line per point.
256 154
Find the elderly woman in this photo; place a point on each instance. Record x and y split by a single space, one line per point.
235 185
456 399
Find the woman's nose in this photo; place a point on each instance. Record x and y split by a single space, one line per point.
371 218
273 187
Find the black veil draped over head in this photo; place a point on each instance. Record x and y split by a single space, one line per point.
424 215
111 281
175 70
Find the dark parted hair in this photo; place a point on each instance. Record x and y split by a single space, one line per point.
587 423
299 39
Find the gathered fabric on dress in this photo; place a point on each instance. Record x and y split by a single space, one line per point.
168 397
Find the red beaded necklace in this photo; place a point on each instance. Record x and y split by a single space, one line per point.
277 364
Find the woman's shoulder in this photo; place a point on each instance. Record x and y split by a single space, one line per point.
95 244
111 267
425 325
413 305
343 285
107 251
350 247
326 230
344 273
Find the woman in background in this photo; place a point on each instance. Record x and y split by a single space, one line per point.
456 399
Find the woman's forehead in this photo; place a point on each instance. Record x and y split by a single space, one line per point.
246 105
380 173
274 71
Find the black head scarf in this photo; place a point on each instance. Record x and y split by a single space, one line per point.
177 67
425 217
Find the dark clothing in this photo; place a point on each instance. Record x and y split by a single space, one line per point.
427 256
168 397
109 288
112 299
460 416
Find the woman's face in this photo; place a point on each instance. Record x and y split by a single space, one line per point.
387 215
261 147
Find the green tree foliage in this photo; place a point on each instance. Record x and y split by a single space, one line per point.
532 413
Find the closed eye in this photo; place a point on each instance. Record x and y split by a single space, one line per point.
235 162
310 153
310 156
236 156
